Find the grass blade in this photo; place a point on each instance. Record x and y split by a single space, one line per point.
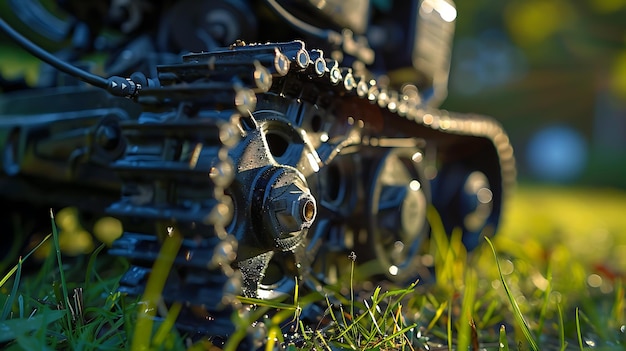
20 303
545 302
504 342
438 314
517 313
13 328
9 302
449 326
91 265
561 329
14 269
578 332
391 337
65 300
464 333
152 294
165 329
619 305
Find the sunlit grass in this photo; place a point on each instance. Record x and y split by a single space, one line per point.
553 281
54 309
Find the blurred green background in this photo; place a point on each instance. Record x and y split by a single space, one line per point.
554 73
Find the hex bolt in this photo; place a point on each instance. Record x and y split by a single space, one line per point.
285 207
294 210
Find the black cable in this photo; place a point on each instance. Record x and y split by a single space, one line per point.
50 59
115 85
301 25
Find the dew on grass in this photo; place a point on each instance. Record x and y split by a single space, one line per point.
590 343
393 270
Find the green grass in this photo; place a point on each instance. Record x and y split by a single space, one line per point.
552 279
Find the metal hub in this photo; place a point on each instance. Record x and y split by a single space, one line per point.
283 206
397 211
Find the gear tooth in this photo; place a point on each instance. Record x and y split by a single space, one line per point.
349 83
334 73
319 63
383 98
281 63
362 87
245 101
403 106
372 93
392 106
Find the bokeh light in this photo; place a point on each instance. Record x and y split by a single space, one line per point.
557 154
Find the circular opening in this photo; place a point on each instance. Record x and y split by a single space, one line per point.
108 137
303 58
308 211
316 123
281 64
320 67
332 189
335 75
273 274
277 144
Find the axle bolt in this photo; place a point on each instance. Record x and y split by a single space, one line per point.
284 207
308 210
